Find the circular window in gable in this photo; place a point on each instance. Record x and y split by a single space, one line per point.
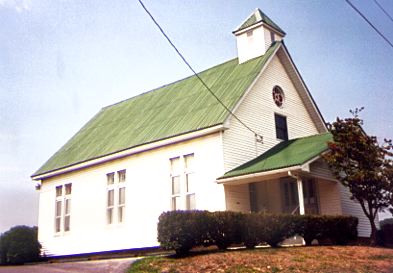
278 96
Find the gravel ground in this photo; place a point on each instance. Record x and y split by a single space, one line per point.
99 266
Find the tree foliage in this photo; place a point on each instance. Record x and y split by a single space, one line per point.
363 165
19 245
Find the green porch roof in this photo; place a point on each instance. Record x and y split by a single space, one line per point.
256 17
288 153
178 108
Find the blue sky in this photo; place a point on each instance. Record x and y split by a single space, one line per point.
61 61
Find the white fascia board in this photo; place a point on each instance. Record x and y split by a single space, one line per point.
259 175
307 92
227 120
131 151
248 28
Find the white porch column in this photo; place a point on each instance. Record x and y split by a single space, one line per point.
300 194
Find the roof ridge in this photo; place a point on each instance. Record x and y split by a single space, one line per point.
168 84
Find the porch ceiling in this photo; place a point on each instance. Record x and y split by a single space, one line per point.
286 154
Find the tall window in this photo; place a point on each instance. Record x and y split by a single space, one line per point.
189 179
63 208
183 182
281 127
175 182
116 197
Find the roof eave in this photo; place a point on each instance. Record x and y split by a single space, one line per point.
246 178
129 151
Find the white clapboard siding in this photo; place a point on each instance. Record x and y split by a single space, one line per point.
237 197
257 111
351 207
319 168
329 197
148 194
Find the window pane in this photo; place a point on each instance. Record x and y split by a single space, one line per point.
67 206
111 195
176 185
110 178
176 203
122 196
122 175
189 161
67 223
59 191
68 188
57 224
109 215
121 214
175 165
281 127
190 201
58 208
190 182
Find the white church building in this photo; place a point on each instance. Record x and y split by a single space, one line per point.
177 147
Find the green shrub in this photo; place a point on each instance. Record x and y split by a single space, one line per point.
183 230
310 227
19 245
386 234
250 230
275 228
341 229
226 228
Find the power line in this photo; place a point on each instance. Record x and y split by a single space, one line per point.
364 17
384 11
195 73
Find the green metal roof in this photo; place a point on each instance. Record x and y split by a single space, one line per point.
256 17
181 107
288 153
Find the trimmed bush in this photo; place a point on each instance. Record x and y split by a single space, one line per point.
275 228
19 245
226 228
386 233
341 229
183 230
250 230
310 227
337 229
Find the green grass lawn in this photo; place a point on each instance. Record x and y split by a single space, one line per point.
288 259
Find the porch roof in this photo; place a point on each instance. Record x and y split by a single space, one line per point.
294 152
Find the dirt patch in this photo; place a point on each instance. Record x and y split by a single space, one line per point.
292 259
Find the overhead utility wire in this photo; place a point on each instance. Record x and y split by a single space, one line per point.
384 11
195 73
364 17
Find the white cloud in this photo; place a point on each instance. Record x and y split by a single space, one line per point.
18 5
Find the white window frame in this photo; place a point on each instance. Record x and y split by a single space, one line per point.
63 211
116 185
189 172
181 200
175 174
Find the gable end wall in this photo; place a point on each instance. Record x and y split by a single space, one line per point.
257 111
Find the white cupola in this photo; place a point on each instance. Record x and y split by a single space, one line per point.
255 35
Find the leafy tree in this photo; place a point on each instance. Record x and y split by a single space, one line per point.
363 165
19 245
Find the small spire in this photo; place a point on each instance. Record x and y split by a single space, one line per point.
258 16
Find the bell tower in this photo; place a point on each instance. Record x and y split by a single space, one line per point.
255 35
